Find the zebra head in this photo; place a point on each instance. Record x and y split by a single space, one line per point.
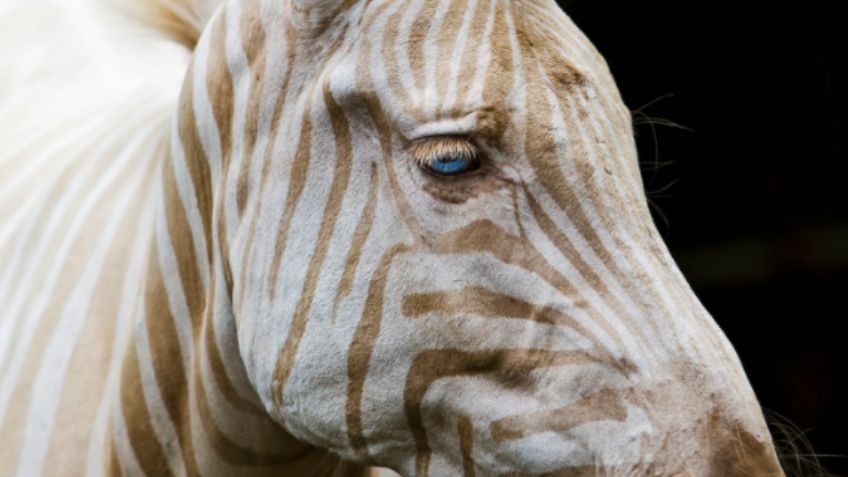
437 249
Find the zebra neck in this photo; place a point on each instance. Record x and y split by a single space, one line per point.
184 404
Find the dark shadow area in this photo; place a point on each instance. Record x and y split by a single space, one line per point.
756 195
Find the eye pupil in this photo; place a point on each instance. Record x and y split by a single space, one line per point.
451 166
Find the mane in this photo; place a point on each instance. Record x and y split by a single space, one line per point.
180 20
85 78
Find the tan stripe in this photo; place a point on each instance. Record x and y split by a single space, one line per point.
392 69
466 446
86 372
167 360
605 405
223 241
363 229
148 452
329 18
545 163
338 187
219 371
593 279
609 215
383 129
14 420
253 41
219 86
447 43
488 304
415 44
359 354
476 33
198 168
244 173
477 236
112 464
511 368
180 237
297 181
225 448
487 236
500 75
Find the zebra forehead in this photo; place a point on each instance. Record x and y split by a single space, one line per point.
463 60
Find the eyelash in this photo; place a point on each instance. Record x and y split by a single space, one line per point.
447 156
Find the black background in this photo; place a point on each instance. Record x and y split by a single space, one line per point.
755 200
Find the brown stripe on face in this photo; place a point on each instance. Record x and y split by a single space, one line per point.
415 44
507 367
253 42
282 100
244 172
637 220
338 188
447 39
219 85
400 91
489 304
363 229
545 161
477 236
216 362
384 132
605 405
610 215
487 236
466 446
361 348
297 181
564 245
500 74
470 54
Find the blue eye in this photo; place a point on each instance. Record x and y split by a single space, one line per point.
446 156
453 165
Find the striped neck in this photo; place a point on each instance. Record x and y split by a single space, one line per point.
185 405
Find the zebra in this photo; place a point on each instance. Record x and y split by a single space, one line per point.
322 237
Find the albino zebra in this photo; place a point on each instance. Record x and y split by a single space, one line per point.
407 234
